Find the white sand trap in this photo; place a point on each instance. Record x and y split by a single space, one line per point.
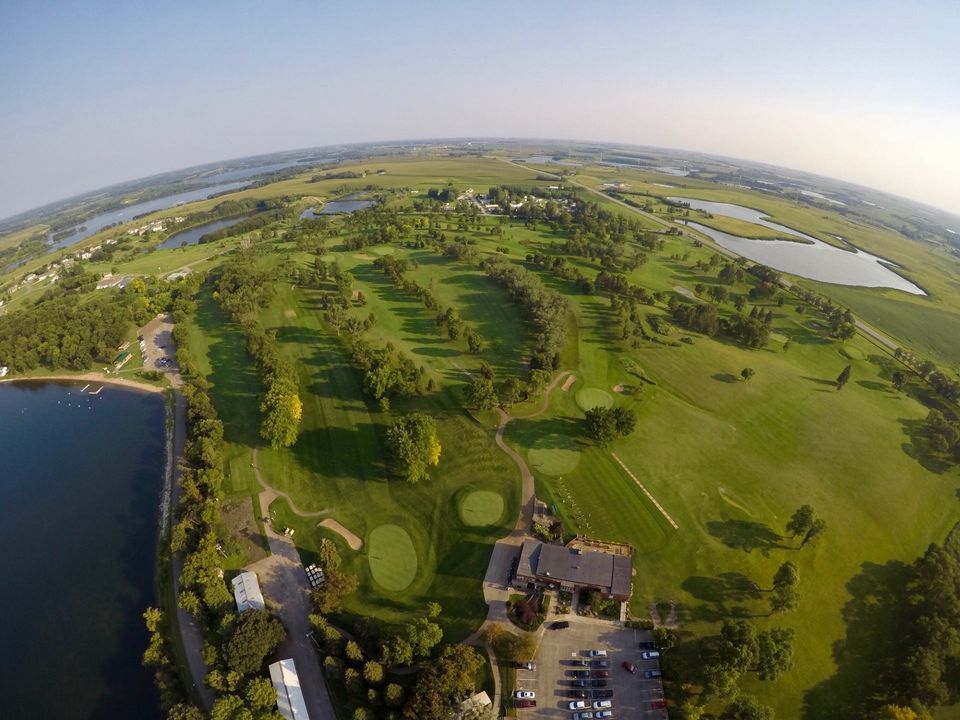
353 541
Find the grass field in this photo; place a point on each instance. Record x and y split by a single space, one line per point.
728 460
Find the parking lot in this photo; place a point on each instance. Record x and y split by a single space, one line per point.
157 344
558 655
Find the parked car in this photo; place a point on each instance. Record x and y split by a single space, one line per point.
524 703
578 673
600 673
658 704
578 662
576 694
559 625
577 705
600 694
580 683
525 665
583 716
650 655
598 683
600 663
629 667
602 705
605 714
648 674
525 695
598 653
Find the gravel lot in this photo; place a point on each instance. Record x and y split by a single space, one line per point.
160 352
631 693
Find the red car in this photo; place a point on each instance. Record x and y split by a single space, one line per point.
524 703
629 667
600 673
658 704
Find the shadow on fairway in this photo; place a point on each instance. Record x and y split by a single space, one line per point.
725 377
731 586
820 381
339 452
878 596
919 446
874 385
746 535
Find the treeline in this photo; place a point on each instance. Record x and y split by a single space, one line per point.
265 212
753 330
945 386
242 289
547 309
374 226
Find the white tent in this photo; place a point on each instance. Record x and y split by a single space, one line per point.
246 591
290 701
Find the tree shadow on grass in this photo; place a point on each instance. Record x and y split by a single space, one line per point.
746 535
820 381
337 452
725 377
919 446
726 587
865 656
878 386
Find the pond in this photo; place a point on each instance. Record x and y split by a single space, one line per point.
194 234
808 257
80 492
349 204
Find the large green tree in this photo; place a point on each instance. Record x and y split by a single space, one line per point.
413 446
255 635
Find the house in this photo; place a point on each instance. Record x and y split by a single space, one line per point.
575 568
4 370
290 702
246 591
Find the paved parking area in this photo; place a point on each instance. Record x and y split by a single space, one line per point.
632 694
159 352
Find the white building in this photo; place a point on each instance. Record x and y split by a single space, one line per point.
4 370
290 702
246 591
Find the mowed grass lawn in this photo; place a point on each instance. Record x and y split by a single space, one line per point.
337 466
730 460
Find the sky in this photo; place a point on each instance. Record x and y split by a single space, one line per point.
97 92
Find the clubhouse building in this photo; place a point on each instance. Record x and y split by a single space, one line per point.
575 567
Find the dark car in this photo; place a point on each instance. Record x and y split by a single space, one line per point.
579 694
650 674
648 645
598 683
580 683
524 703
629 667
658 704
578 673
600 673
601 694
578 662
600 663
559 625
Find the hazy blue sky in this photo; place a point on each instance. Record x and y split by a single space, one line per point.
93 93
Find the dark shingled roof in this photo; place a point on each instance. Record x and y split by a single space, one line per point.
584 568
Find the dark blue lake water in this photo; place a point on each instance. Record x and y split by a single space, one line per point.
80 487
193 235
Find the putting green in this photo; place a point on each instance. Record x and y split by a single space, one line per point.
588 398
554 454
382 250
481 507
392 557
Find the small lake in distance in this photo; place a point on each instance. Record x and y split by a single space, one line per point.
192 236
349 204
810 258
80 492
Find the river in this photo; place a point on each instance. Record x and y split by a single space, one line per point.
807 257
193 235
80 489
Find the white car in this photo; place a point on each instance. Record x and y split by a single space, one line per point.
577 705
604 714
602 704
525 695
650 655
583 716
598 653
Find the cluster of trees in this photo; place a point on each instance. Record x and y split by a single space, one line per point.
945 386
261 220
484 393
617 285
699 318
387 372
413 446
374 226
444 684
558 267
242 289
740 649
547 309
944 433
753 330
604 425
806 525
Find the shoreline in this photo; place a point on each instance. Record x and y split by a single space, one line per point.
90 377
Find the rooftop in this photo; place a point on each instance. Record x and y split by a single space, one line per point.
577 566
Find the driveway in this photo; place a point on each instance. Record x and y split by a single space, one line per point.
159 352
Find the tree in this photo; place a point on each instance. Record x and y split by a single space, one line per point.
899 379
396 651
746 708
774 653
373 673
785 595
800 521
481 394
353 652
255 635
843 378
511 391
443 683
337 587
182 711
260 694
816 529
605 425
393 695
413 446
747 373
227 707
423 636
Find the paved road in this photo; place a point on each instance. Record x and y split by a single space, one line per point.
285 586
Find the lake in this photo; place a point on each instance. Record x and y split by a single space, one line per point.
80 488
810 258
193 235
349 204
